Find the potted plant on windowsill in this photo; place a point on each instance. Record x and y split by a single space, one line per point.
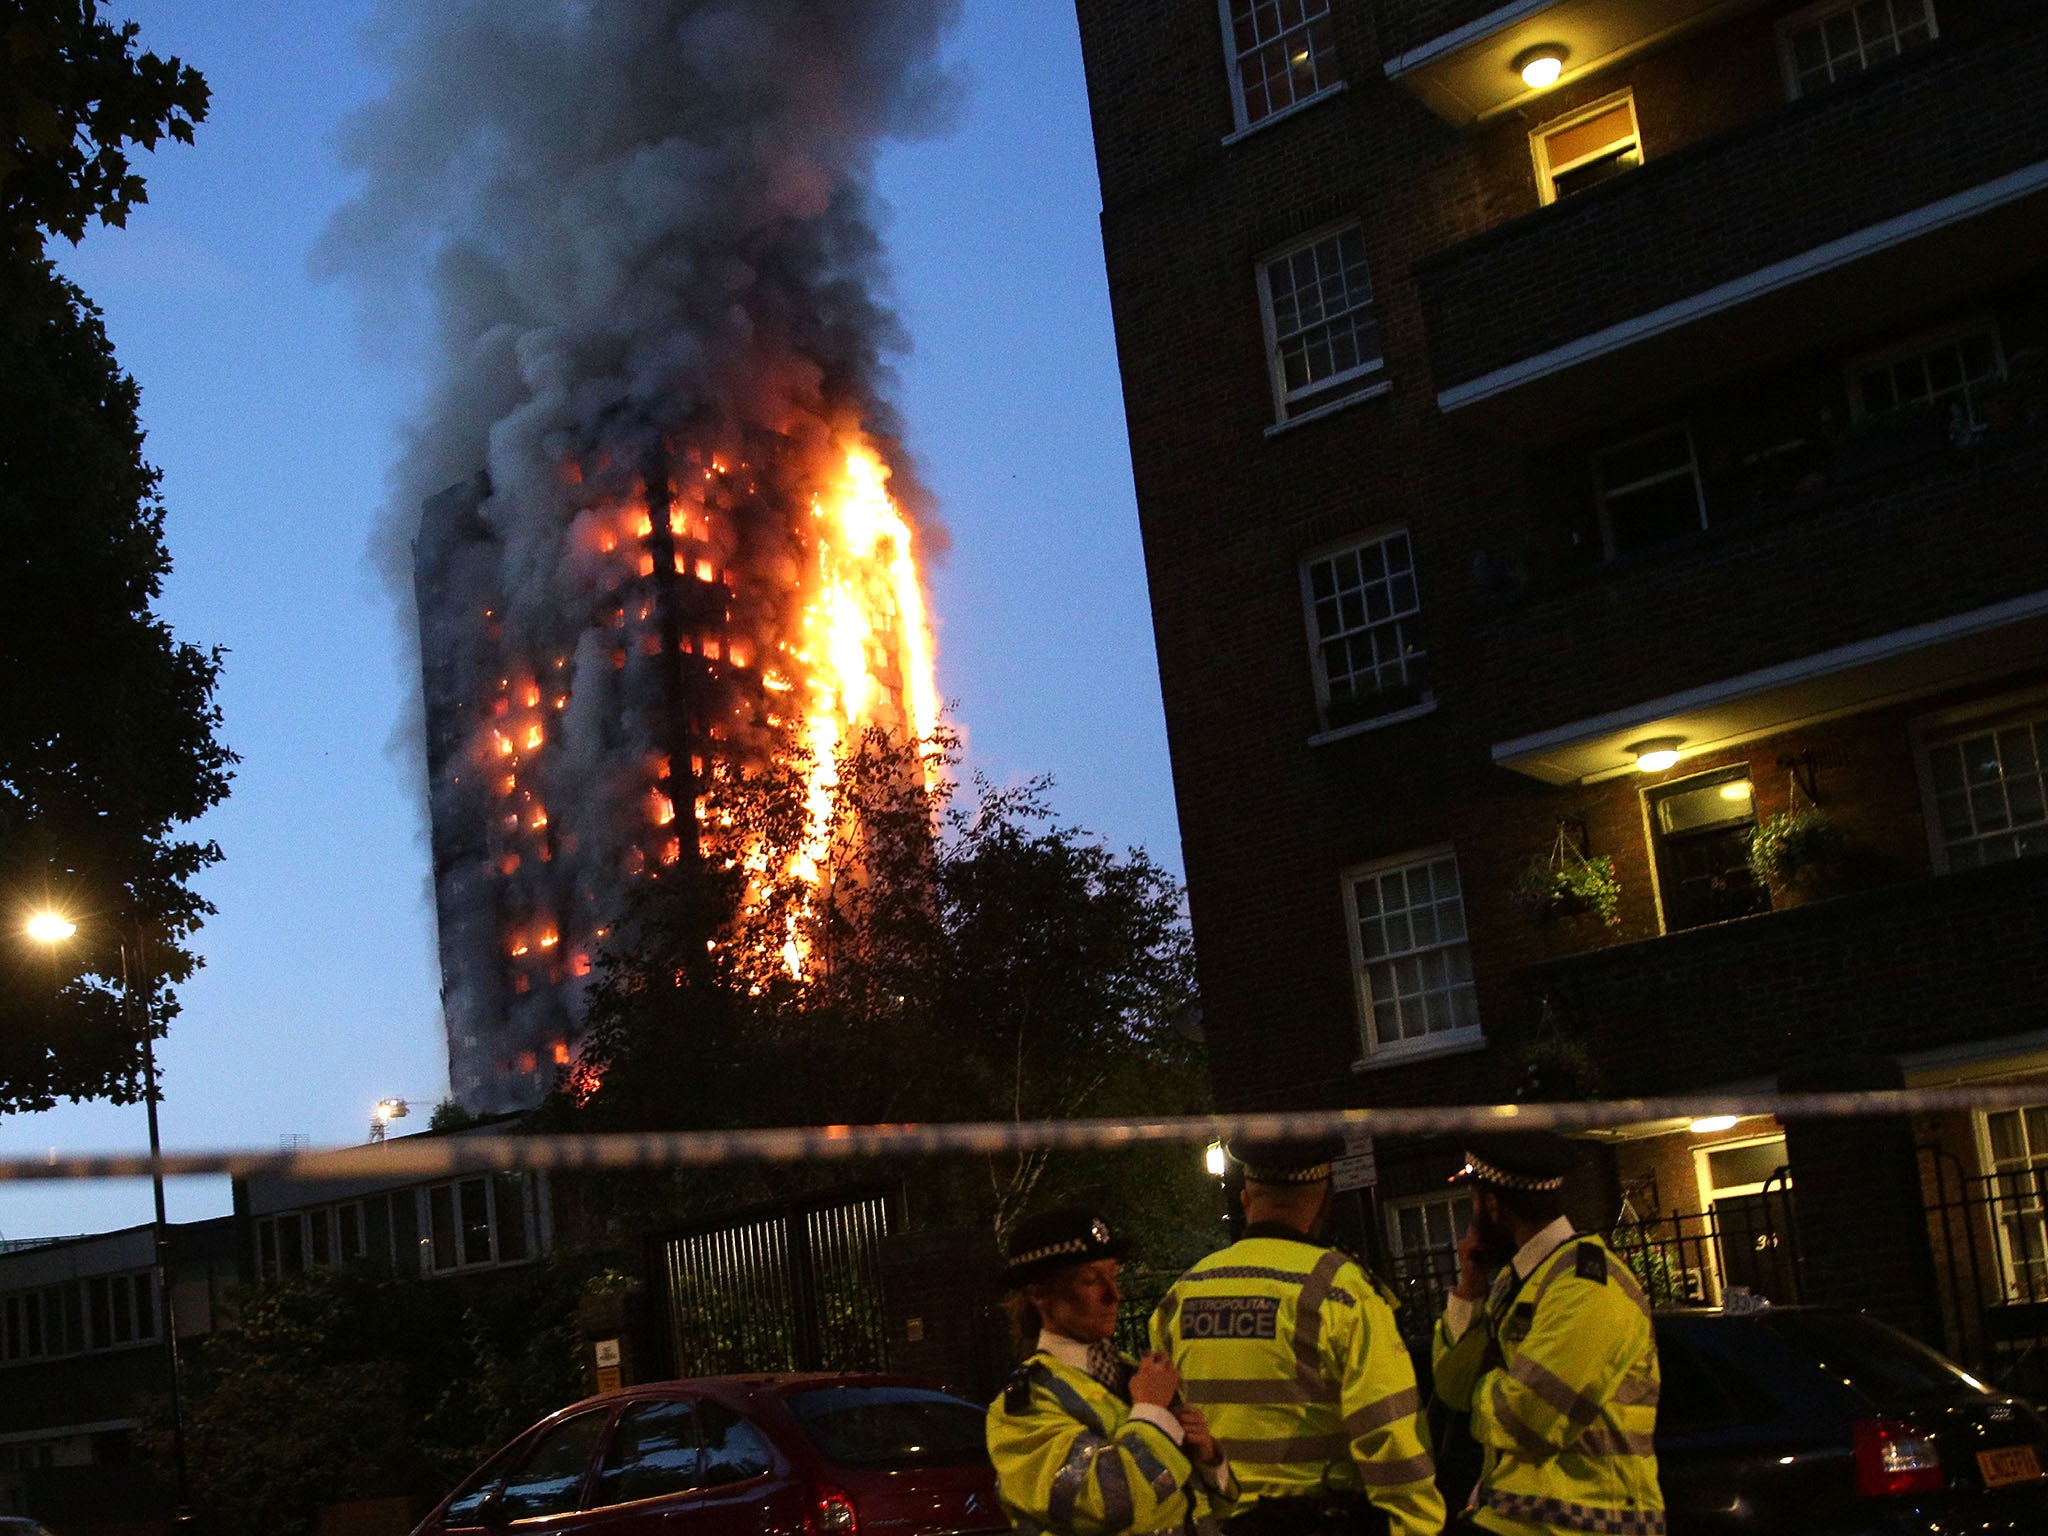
1565 883
1796 854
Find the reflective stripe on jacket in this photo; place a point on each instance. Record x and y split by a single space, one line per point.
1565 1403
1070 1460
1293 1354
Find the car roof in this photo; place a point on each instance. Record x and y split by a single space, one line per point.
754 1384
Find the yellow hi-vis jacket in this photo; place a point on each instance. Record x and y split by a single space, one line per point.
1293 1354
1560 1376
1071 1461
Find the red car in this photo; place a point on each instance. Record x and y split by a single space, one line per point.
842 1455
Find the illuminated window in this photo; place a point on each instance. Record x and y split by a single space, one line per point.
1648 491
1948 375
1842 38
1699 835
1322 339
1592 145
1282 53
1987 787
1365 631
2014 1148
1409 955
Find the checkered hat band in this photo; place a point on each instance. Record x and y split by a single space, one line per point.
1477 1167
1053 1251
1307 1175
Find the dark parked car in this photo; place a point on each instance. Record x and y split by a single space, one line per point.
792 1455
1828 1423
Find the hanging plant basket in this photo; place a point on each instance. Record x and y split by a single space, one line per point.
1565 883
1797 850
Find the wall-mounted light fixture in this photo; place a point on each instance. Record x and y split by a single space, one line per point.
1216 1160
1541 65
1655 754
1709 1124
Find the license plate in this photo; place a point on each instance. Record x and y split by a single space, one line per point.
2012 1464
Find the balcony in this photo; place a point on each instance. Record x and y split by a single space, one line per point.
1844 212
1459 57
1935 965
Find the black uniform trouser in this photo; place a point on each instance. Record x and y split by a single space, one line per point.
1338 1514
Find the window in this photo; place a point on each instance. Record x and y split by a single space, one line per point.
2016 1153
1282 52
549 1480
79 1317
1408 951
733 1449
1845 37
291 1241
1699 829
1988 788
1648 489
473 1222
653 1452
1422 1239
1948 374
1365 632
1590 146
1322 341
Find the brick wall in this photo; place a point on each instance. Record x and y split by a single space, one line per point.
1943 119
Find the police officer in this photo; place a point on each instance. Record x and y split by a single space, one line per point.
1292 1351
1554 1357
1085 1441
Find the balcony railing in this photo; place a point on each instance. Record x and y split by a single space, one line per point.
1923 141
1955 960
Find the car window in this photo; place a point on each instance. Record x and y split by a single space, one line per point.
548 1480
1882 1364
892 1427
1691 1397
733 1449
1752 1375
468 1499
652 1452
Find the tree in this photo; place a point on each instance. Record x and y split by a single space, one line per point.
336 1386
955 957
107 722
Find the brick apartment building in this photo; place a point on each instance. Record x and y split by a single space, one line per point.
1490 436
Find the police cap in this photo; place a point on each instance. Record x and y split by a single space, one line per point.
1517 1160
1303 1160
1049 1240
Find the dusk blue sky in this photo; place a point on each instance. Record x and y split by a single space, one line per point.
271 408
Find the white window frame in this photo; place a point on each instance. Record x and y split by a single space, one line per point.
424 1213
1372 1054
49 1299
1980 1121
1702 1175
1458 1201
1936 730
1601 490
1815 15
1232 60
1921 345
1365 379
1317 668
1539 141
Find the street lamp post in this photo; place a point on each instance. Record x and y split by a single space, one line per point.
54 928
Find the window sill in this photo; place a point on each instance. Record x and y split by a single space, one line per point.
1462 1043
1371 391
1360 727
1284 113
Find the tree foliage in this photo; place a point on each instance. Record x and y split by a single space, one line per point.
107 720
74 95
958 955
337 1386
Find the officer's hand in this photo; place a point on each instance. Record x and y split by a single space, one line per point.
1201 1444
1155 1381
1472 1277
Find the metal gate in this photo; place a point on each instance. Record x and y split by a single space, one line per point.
795 1286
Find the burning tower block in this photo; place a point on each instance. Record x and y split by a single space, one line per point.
586 671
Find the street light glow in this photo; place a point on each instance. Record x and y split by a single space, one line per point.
1215 1160
51 927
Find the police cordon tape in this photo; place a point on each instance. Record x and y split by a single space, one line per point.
428 1155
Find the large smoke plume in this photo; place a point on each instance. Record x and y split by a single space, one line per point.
646 233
